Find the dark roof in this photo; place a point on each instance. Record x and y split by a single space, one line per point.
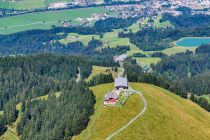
110 95
121 82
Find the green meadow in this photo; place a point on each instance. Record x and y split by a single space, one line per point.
96 70
85 39
158 24
44 20
168 116
27 4
147 60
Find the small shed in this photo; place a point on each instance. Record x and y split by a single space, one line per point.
121 82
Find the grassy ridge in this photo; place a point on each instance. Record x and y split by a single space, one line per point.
107 120
168 117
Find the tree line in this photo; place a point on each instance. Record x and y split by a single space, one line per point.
57 117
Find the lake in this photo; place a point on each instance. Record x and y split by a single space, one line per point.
192 41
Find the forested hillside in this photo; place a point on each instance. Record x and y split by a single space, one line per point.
23 78
34 41
57 118
190 71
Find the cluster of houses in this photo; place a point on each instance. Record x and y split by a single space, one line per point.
93 17
120 89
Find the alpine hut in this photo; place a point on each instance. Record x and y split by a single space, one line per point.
110 98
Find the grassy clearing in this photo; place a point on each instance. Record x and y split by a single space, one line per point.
138 25
207 97
168 117
148 60
158 24
72 37
45 97
9 135
107 120
98 70
44 20
109 38
177 49
112 39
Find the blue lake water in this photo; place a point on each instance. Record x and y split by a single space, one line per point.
193 41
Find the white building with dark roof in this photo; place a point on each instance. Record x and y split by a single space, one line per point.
121 82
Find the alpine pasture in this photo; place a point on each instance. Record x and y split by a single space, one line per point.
168 117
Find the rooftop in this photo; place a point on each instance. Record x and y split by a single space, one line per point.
111 95
121 82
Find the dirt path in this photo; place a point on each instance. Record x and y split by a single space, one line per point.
129 123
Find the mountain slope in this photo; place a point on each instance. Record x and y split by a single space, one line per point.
167 117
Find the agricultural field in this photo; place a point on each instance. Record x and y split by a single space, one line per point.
45 20
112 39
27 4
147 60
177 49
168 117
158 24
72 37
98 70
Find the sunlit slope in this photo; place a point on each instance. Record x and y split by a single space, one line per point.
107 120
168 117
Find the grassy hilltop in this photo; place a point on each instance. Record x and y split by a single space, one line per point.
167 117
